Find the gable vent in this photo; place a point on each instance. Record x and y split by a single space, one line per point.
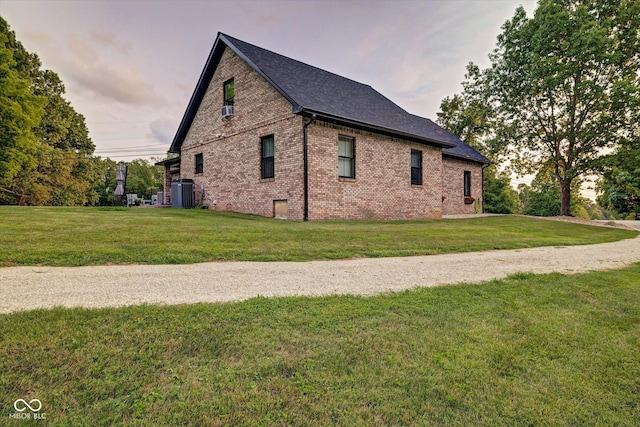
227 111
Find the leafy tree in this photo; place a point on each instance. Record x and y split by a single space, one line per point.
471 118
542 197
144 178
104 187
20 111
467 119
565 84
46 154
499 197
595 211
620 192
54 165
619 187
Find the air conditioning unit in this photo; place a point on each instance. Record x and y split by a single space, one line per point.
227 111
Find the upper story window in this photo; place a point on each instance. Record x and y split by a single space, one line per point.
346 157
268 155
467 184
229 92
199 163
416 167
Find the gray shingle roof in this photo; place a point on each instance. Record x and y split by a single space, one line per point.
312 90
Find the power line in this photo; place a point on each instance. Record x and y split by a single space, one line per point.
142 155
61 159
135 146
139 121
125 150
118 139
163 154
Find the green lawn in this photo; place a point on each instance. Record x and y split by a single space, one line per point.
90 236
528 350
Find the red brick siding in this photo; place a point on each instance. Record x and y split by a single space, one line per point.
231 172
453 185
382 186
168 177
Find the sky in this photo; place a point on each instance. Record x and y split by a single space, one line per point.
130 67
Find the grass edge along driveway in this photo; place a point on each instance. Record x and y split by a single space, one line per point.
101 236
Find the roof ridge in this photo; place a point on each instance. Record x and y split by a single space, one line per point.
312 90
296 60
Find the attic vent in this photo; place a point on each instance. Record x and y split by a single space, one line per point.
227 111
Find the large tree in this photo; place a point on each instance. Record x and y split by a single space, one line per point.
45 156
619 187
470 116
20 112
566 85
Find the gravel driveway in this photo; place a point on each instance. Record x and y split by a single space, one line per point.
24 288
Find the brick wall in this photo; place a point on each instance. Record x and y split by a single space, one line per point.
168 177
231 146
453 186
231 177
382 186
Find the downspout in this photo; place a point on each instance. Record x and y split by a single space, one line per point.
305 166
483 168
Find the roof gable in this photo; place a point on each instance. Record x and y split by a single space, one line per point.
311 90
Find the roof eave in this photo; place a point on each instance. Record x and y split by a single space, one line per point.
373 128
197 96
203 83
468 158
168 161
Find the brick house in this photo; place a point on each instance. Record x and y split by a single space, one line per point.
268 135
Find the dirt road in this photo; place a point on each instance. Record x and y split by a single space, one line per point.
25 288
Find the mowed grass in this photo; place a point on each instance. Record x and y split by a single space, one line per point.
528 350
94 236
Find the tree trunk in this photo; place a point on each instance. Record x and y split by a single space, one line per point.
565 201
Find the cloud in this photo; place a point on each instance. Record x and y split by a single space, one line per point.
261 13
418 56
116 82
107 75
111 40
80 48
98 66
43 40
163 129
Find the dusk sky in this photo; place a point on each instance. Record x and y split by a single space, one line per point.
130 67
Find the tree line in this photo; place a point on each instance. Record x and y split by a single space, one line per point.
560 100
46 154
